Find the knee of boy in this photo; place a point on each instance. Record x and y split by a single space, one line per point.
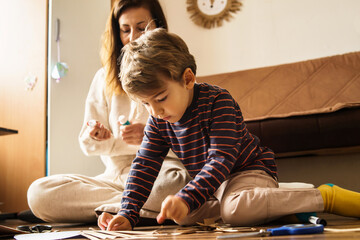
238 217
235 213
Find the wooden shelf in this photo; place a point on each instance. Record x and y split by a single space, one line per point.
7 131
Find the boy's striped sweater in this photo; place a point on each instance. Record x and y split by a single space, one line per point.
211 140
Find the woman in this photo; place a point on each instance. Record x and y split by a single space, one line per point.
76 198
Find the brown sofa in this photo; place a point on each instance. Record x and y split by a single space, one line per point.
308 107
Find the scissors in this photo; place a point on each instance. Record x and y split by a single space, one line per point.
35 229
291 229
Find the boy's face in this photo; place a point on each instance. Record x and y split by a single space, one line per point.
171 101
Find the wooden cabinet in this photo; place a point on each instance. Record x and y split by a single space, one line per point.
23 47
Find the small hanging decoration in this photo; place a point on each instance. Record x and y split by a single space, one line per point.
60 69
212 13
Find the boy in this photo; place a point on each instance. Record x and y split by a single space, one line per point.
204 126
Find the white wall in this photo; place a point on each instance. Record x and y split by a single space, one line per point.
81 24
269 32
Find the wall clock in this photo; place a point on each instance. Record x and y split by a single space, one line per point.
212 13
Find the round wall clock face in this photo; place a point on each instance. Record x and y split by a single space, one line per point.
211 13
214 7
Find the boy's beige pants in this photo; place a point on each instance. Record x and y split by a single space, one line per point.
246 198
253 197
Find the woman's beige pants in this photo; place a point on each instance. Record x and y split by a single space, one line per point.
78 198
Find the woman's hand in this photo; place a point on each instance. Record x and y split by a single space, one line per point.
174 208
99 132
132 134
109 222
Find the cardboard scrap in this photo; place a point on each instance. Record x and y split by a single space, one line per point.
5 230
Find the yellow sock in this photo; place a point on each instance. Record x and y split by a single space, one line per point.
340 201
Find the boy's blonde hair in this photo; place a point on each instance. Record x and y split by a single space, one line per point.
155 52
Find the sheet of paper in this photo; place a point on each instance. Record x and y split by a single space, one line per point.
49 236
89 234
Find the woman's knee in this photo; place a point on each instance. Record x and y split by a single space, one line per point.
173 173
36 192
44 192
172 177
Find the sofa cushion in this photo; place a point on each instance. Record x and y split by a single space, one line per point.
302 88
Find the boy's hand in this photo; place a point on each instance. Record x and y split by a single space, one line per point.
174 208
132 134
109 222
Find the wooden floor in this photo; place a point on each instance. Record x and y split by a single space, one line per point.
175 232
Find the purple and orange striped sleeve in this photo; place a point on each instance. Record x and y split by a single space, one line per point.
143 173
